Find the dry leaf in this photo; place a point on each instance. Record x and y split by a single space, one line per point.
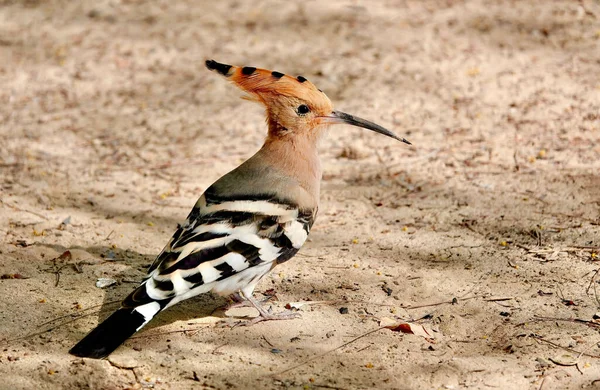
66 256
13 276
387 321
407 327
295 305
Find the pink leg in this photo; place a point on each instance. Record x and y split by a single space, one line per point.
265 315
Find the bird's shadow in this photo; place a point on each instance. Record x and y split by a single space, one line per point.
128 279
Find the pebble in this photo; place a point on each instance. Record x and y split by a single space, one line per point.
123 362
105 282
543 362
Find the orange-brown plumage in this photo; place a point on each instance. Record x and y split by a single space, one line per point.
263 82
281 95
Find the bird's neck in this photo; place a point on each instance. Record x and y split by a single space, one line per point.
296 156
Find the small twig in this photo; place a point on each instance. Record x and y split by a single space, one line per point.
565 348
49 329
214 351
591 324
22 210
542 383
337 301
516 167
467 225
362 349
143 336
268 342
327 386
452 302
325 353
498 299
587 291
567 302
523 247
132 369
57 273
81 311
78 317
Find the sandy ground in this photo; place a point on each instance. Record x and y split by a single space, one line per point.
486 231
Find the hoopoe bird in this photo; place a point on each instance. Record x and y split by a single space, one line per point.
250 220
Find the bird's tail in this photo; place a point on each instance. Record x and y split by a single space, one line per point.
117 328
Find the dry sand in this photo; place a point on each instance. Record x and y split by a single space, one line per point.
110 121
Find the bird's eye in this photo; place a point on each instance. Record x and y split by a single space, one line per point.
303 109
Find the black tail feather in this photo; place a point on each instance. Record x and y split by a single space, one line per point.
107 336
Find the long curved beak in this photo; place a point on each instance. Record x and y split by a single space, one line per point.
341 117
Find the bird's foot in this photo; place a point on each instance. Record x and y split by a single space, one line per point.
266 315
263 314
238 301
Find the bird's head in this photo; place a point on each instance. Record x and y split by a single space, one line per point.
294 105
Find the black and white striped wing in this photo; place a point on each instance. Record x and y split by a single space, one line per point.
223 247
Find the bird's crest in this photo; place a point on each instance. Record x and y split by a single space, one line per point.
263 84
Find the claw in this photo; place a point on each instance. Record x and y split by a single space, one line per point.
263 314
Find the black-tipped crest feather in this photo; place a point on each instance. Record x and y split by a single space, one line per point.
218 67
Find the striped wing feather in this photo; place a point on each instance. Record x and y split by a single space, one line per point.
223 245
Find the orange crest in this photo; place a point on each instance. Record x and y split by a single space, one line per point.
266 85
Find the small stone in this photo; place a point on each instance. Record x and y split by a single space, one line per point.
105 282
343 310
123 362
65 222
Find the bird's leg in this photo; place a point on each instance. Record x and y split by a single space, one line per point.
237 298
238 301
265 315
